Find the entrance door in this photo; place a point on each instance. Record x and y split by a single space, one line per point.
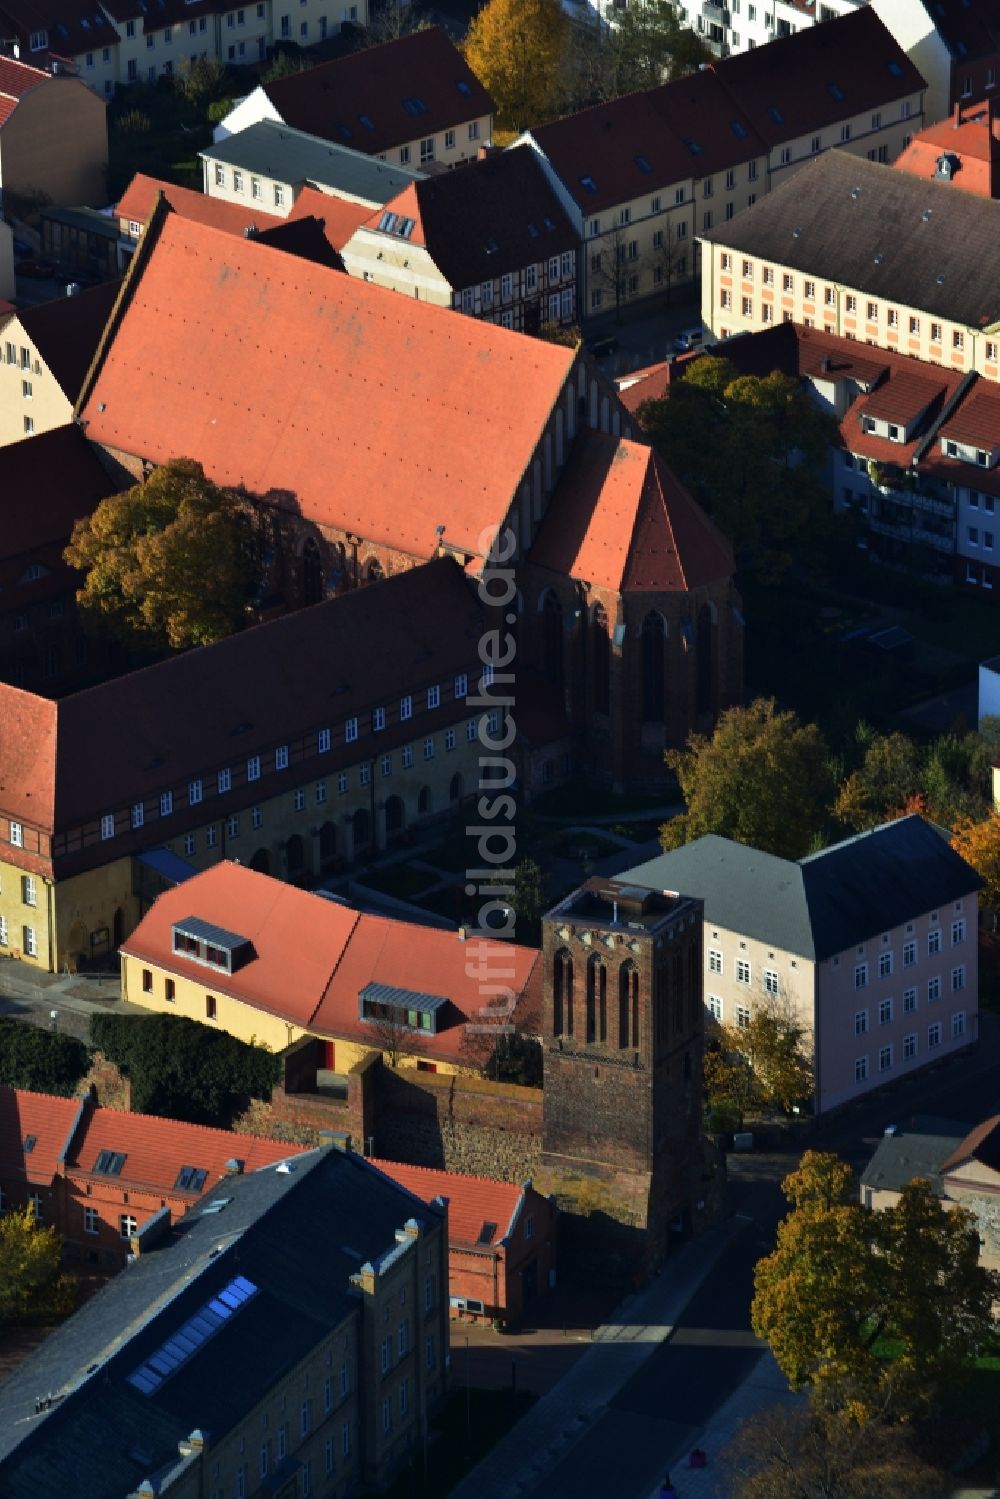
329 1062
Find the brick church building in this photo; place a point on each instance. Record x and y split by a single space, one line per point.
373 432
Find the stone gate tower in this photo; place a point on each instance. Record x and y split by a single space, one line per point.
623 1035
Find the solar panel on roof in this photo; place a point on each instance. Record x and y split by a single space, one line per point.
186 1340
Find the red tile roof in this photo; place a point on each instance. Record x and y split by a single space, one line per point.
621 520
139 199
906 395
16 80
650 384
472 1200
384 96
981 1144
970 138
48 1118
976 421
312 957
411 439
338 217
59 473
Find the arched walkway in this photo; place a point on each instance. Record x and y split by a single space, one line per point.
261 861
395 815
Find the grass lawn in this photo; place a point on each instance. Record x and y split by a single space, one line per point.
461 1434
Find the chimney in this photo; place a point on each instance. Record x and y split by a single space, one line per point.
234 1166
463 933
956 116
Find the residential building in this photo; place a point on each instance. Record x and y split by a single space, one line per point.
871 945
955 45
41 643
289 964
740 26
98 1176
47 351
310 781
623 1033
53 138
492 240
963 149
269 165
413 101
501 1240
645 176
289 1336
134 41
908 268
962 1166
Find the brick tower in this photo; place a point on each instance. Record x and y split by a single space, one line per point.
623 1035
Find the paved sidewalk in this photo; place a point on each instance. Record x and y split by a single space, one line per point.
543 1437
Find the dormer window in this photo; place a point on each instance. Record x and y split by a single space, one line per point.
982 458
382 1004
214 946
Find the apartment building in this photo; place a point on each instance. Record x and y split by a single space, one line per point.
268 166
908 268
413 102
289 1337
99 1176
871 944
217 949
53 137
492 241
955 45
140 41
644 177
963 149
46 352
361 726
740 26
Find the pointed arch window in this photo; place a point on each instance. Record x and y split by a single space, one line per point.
562 1007
601 658
654 662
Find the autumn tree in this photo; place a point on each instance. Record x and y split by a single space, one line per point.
515 48
820 1449
890 775
170 562
644 45
765 1062
753 451
528 900
762 779
979 845
32 1284
844 1281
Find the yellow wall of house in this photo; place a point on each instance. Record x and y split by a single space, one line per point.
25 909
85 905
47 406
241 1020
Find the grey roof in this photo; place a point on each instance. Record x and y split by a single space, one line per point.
219 936
405 999
901 1157
826 903
287 155
297 1237
891 235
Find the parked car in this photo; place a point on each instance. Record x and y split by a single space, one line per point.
690 338
37 269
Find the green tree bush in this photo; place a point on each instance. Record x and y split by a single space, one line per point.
33 1287
42 1061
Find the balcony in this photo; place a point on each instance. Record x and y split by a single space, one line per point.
717 13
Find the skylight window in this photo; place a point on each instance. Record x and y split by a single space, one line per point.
491 247
345 130
109 1163
642 163
486 1233
405 228
414 105
835 91
895 68
366 122
463 88
386 222
30 1141
532 231
190 1179
549 223
692 145
776 114
186 1341
588 184
739 129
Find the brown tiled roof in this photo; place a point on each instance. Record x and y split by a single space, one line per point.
48 481
409 436
373 100
494 216
48 1118
139 199
66 333
472 1200
16 80
905 395
981 1144
968 31
153 15
976 421
312 957
650 384
339 217
64 764
912 243
970 138
728 112
73 26
620 519
303 236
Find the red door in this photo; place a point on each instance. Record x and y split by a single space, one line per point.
330 1056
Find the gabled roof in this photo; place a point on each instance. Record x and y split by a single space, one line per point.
728 112
417 85
494 216
901 1158
16 80
67 762
826 903
66 331
296 1238
413 444
968 31
46 483
46 1119
338 217
981 1144
473 1201
621 520
287 155
976 421
969 139
313 957
913 243
139 199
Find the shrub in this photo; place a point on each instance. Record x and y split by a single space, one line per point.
41 1060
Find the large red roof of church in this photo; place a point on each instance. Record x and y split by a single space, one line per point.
621 520
357 407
